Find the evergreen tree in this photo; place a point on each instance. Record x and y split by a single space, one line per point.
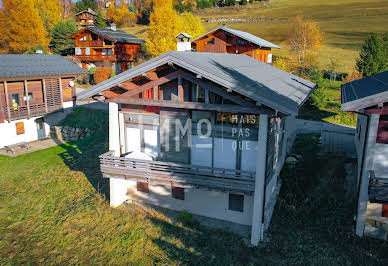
60 42
373 55
21 27
85 4
100 21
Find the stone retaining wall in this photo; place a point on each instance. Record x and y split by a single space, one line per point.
70 133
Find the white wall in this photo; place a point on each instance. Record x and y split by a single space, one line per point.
213 204
8 134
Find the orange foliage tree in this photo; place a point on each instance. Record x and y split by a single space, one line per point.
21 27
305 38
119 14
101 74
354 75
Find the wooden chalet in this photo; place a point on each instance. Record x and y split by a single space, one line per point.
101 47
202 132
31 87
231 41
368 97
86 18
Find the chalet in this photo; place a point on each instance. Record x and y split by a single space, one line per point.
202 132
101 47
227 40
86 18
368 97
32 87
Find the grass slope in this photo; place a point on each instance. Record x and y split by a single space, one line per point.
54 211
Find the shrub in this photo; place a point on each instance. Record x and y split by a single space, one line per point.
319 96
187 219
101 74
354 75
281 63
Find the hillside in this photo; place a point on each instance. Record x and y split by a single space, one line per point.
345 23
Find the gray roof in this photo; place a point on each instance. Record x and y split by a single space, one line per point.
183 35
88 10
244 35
116 35
365 92
259 81
27 65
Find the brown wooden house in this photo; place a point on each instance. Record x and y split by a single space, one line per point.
86 18
96 47
31 87
231 41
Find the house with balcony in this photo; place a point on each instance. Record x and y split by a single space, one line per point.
201 132
86 18
97 47
31 88
368 97
232 41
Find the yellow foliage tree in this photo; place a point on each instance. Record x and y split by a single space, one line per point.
305 38
165 24
120 14
21 26
50 12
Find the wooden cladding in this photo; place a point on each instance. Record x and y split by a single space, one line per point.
382 130
20 128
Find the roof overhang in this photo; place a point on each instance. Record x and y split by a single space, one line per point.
365 102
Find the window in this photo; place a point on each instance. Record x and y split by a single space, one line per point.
236 202
142 187
197 94
241 42
30 97
19 128
382 130
212 41
84 37
178 193
15 100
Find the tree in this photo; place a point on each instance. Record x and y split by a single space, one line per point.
67 9
50 13
60 42
191 24
354 75
373 55
144 8
85 4
100 21
305 37
163 27
21 28
101 74
120 14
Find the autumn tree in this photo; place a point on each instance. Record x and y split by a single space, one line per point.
165 24
143 10
50 13
60 42
305 38
85 4
21 27
119 14
67 9
373 55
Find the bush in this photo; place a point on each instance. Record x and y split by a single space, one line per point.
92 70
187 219
319 96
281 63
101 74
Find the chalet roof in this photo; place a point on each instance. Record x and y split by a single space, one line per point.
28 65
244 35
116 35
183 35
259 81
365 92
90 11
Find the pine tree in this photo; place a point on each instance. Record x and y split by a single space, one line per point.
85 4
60 42
100 21
373 55
21 27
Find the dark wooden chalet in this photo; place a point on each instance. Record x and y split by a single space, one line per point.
35 85
163 109
227 40
98 47
86 18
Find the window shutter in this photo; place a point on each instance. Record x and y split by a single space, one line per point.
19 128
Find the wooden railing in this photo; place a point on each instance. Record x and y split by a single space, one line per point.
22 111
184 175
96 57
378 189
96 43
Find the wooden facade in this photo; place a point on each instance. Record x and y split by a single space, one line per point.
26 97
85 18
91 47
221 41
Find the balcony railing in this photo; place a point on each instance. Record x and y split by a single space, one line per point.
22 111
96 57
157 172
96 43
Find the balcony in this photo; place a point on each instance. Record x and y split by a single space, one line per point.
97 43
96 57
22 111
157 172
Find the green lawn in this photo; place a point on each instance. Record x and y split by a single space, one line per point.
54 211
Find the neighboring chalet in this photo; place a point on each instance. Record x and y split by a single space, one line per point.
368 97
202 132
86 18
31 87
231 41
96 47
